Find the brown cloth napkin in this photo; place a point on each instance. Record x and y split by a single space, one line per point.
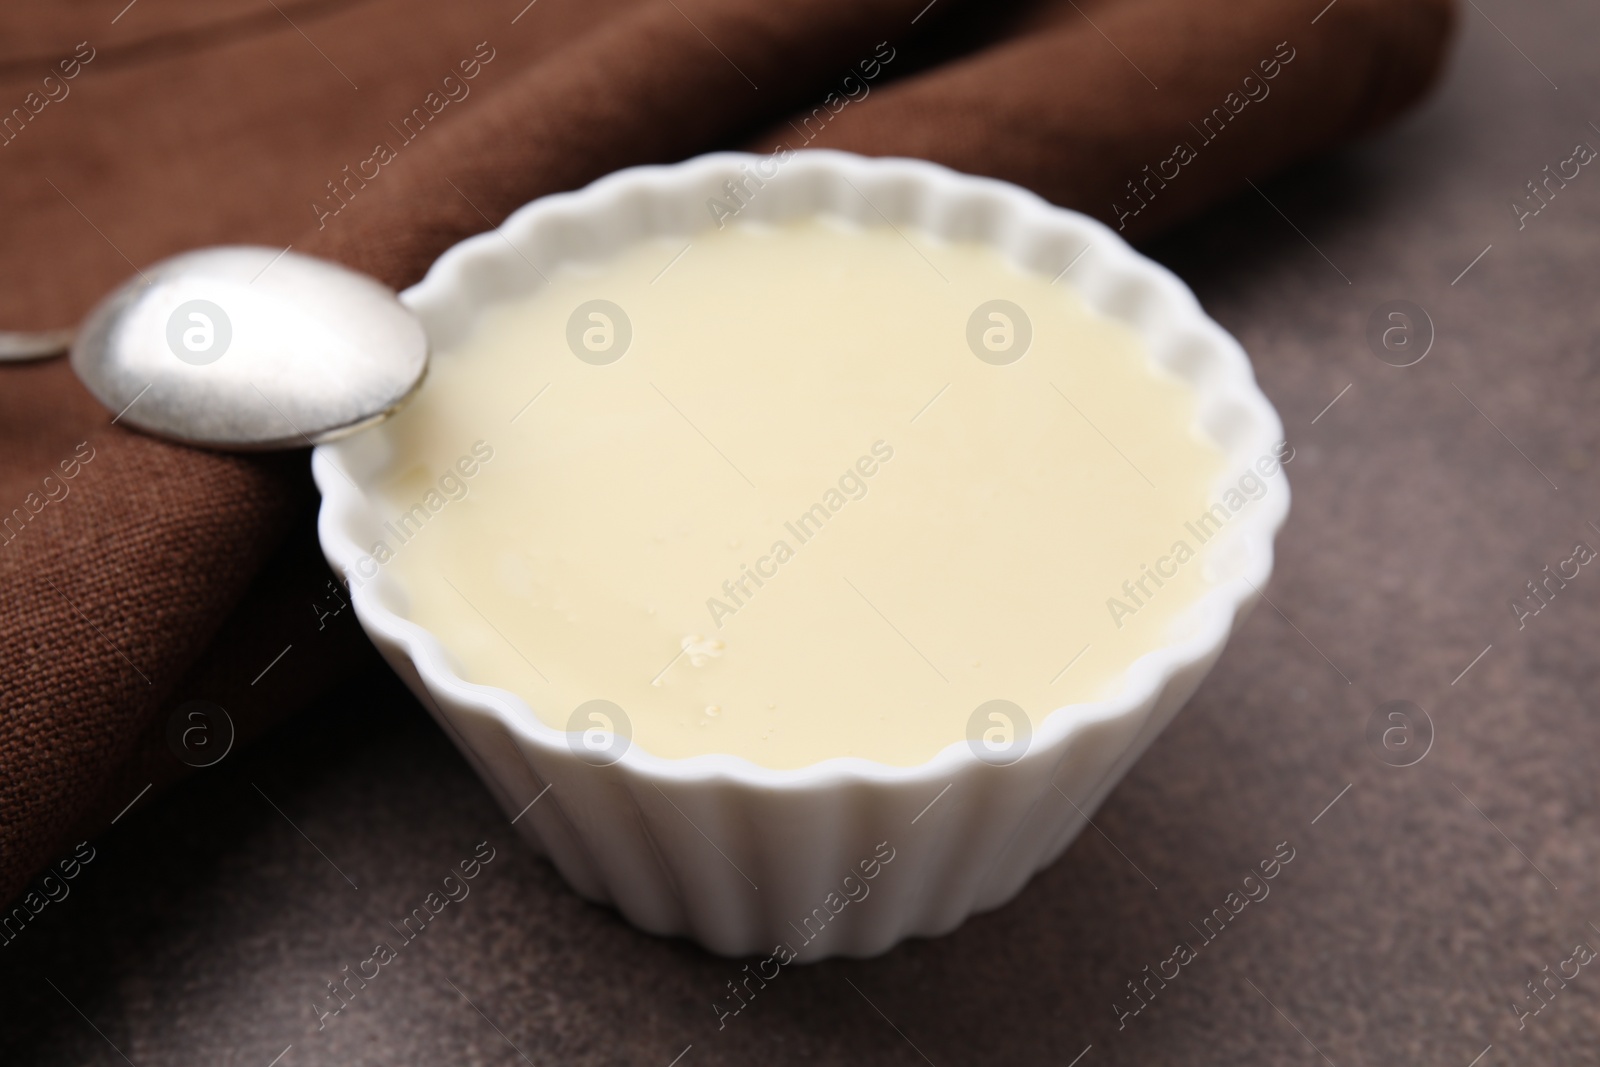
137 575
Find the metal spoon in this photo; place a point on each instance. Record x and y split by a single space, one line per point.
248 348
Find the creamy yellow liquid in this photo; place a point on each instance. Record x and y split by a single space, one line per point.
968 523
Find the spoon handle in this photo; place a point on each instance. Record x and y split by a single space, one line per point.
17 346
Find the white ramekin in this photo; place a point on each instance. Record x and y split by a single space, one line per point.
742 858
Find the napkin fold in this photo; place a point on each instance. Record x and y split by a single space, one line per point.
138 576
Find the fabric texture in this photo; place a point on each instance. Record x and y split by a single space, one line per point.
136 575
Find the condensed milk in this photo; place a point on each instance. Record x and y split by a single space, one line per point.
796 492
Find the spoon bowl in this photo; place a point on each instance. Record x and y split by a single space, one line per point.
252 349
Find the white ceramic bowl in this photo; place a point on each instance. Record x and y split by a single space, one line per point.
740 857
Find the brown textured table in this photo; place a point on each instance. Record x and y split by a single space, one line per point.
1413 912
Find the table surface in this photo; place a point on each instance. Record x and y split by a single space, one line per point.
1420 900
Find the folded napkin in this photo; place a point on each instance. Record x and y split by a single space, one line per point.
136 576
